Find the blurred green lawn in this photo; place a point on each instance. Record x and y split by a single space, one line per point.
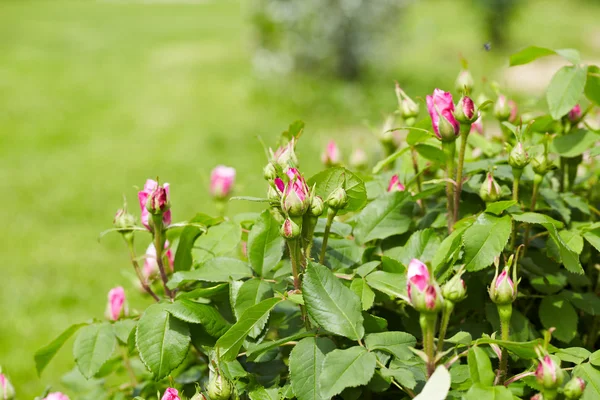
95 97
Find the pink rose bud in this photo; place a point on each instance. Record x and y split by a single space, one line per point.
502 110
548 373
289 229
512 118
56 396
424 295
575 114
490 191
150 263
465 110
518 157
573 390
359 159
7 392
331 156
295 199
537 396
441 110
116 303
395 185
503 290
285 157
477 126
157 198
221 181
171 394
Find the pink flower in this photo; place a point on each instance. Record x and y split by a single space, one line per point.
331 155
575 113
56 396
477 126
171 394
150 264
116 301
465 110
221 181
395 185
418 276
295 199
159 199
441 111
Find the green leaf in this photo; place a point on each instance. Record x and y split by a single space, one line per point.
93 347
524 350
252 292
256 350
556 312
331 304
591 376
388 283
260 393
196 313
556 203
499 207
183 257
461 337
574 143
593 237
595 358
565 90
485 240
228 345
162 340
395 343
123 328
422 245
438 385
265 244
569 258
592 85
575 355
448 250
306 367
330 179
480 366
479 392
221 269
529 54
390 214
364 292
219 240
204 292
44 355
587 302
536 218
346 368
431 153
341 253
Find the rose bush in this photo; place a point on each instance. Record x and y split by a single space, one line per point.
373 283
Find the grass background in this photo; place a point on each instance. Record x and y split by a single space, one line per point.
97 96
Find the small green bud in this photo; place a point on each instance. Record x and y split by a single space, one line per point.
316 206
502 108
270 172
518 157
549 374
455 289
464 81
198 396
490 191
124 221
573 390
542 164
408 108
290 229
273 195
338 199
503 290
219 388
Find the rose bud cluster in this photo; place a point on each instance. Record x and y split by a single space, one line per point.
490 191
548 373
423 292
441 110
171 394
573 390
116 303
7 392
154 199
331 157
395 185
222 179
124 221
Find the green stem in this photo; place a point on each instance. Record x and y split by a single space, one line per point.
309 223
330 216
449 149
220 205
159 246
428 321
448 308
294 257
517 179
536 186
561 174
505 312
138 272
464 135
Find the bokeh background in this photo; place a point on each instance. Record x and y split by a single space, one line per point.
98 95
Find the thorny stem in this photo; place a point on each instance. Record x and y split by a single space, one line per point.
448 308
138 272
428 321
330 216
294 247
159 246
464 134
449 149
505 312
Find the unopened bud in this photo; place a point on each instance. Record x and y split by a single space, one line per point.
124 221
295 199
518 157
490 191
502 108
158 200
270 172
395 185
331 156
273 195
573 390
359 159
338 199
289 229
198 396
455 289
503 290
219 388
285 156
7 391
316 206
575 114
542 164
408 108
548 373
465 110
423 293
464 82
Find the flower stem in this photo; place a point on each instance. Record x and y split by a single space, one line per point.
516 180
448 308
159 246
464 135
428 321
294 246
330 216
536 186
449 149
505 312
138 272
309 223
